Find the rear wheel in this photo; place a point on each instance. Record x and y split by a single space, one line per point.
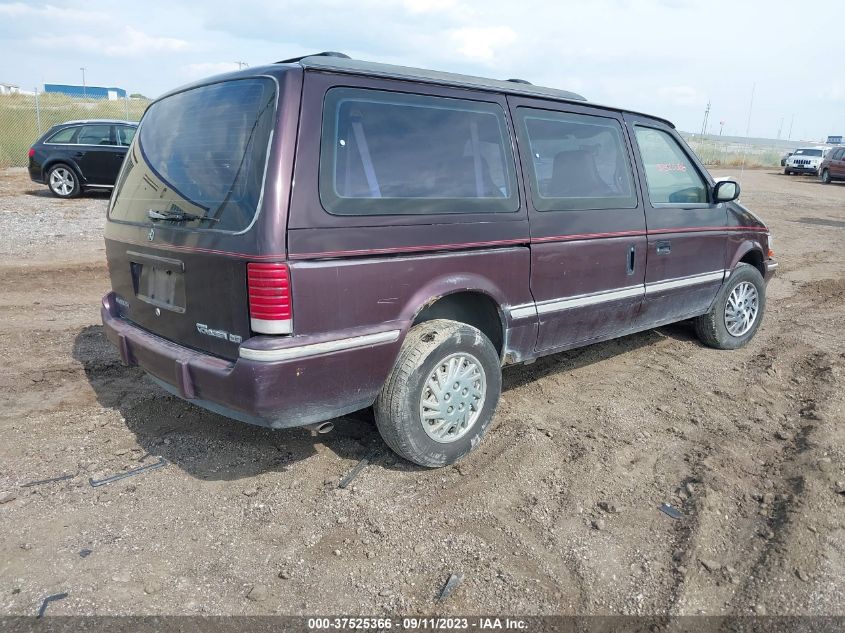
737 311
825 177
439 399
63 181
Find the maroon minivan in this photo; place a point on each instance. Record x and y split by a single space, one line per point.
291 243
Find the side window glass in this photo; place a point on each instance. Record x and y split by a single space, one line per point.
671 176
577 161
63 136
125 135
387 153
95 135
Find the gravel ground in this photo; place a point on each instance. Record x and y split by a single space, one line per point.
556 513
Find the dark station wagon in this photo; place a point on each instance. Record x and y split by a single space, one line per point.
295 242
80 155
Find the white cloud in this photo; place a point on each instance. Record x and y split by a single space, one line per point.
428 6
125 42
682 95
205 69
480 43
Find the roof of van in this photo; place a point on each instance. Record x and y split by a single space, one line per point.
334 63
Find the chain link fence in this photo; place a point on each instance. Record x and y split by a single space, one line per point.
25 117
715 151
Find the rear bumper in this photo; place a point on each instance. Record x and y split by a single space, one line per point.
35 173
316 379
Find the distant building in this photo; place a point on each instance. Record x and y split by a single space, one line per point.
9 89
834 140
91 92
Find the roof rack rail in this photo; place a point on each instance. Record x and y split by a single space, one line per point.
293 60
520 81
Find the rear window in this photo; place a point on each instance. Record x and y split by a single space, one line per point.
386 153
577 161
95 135
201 152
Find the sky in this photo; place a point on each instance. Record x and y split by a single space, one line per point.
663 57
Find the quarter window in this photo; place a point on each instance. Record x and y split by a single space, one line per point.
63 136
577 161
386 153
671 176
95 135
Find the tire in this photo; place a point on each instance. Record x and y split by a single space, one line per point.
825 177
439 346
63 181
787 172
720 328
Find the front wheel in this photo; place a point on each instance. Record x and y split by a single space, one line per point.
825 177
787 172
737 311
439 399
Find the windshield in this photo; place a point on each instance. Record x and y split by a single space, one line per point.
808 152
200 155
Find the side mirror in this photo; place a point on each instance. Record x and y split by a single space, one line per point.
726 190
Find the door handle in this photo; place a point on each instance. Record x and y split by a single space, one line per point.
664 247
630 260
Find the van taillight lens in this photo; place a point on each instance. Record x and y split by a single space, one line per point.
269 298
31 152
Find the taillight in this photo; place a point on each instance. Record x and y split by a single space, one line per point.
31 152
269 298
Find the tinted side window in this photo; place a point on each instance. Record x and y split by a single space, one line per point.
577 161
385 153
671 176
125 134
63 136
95 135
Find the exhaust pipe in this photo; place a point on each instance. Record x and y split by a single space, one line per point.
322 428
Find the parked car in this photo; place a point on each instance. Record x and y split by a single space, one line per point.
441 227
833 166
783 160
805 160
79 155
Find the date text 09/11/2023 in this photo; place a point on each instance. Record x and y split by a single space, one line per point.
417 624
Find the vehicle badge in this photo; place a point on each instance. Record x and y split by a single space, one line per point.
152 234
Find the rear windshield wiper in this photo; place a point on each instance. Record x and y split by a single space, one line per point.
178 216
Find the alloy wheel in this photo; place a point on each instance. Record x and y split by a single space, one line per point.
741 309
62 181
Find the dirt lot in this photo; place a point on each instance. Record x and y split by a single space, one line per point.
556 513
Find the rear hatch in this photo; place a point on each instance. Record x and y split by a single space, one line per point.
181 219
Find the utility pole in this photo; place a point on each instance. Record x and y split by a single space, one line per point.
721 127
84 89
791 121
780 127
706 116
242 65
